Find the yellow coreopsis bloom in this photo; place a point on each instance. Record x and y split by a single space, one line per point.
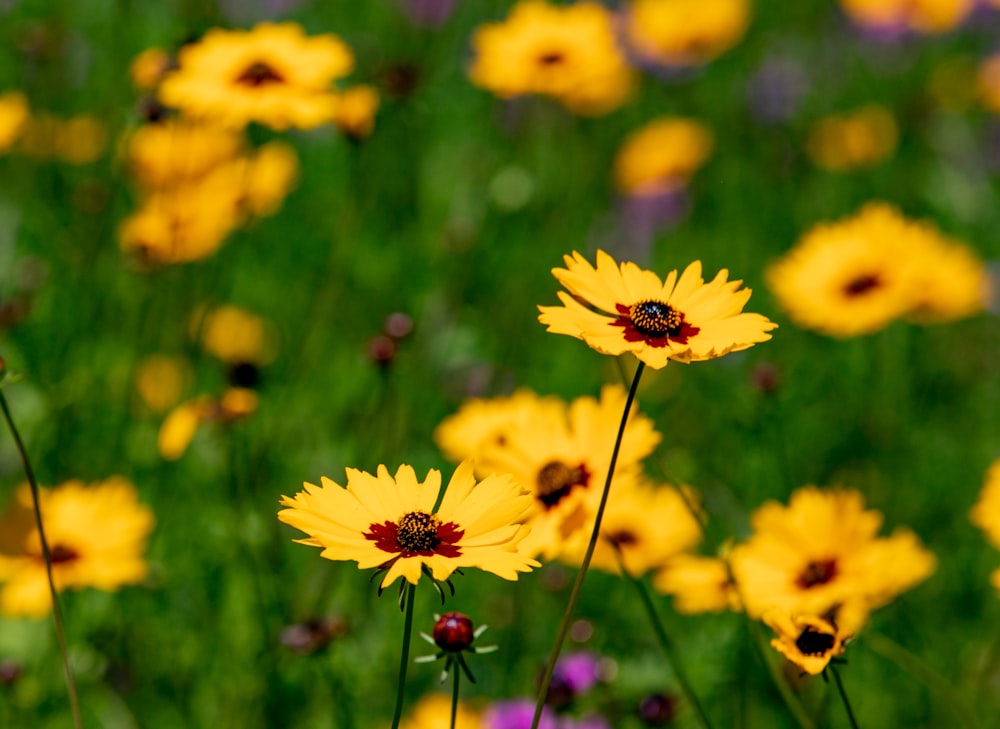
679 318
96 535
356 110
822 551
986 513
663 154
175 151
810 641
922 16
390 522
567 52
698 584
856 140
273 74
685 32
235 335
433 711
181 424
13 115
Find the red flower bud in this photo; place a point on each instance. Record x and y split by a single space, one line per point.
453 632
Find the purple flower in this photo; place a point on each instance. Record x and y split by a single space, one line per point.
428 13
775 90
517 714
578 671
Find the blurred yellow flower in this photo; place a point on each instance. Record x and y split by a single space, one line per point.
664 154
986 512
433 711
922 16
562 456
96 535
682 319
148 68
855 140
181 424
160 380
822 551
78 140
389 522
268 177
13 115
808 641
273 74
646 526
356 109
685 32
567 52
988 82
177 150
698 584
235 335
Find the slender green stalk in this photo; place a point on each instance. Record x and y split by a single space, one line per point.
543 689
74 703
843 696
787 695
405 657
454 695
911 664
667 645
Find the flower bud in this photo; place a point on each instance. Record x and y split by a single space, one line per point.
657 710
453 632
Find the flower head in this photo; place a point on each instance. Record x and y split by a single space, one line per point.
809 641
389 522
986 512
698 584
13 116
855 140
921 16
663 154
433 711
684 32
273 74
567 52
681 318
96 536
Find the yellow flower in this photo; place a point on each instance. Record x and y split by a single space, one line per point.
563 456
986 512
389 522
148 68
182 423
682 319
857 275
160 380
13 115
78 140
808 641
646 526
685 32
923 16
273 74
481 422
96 536
235 335
698 584
567 52
267 178
988 83
663 154
179 150
433 711
356 111
821 551
856 140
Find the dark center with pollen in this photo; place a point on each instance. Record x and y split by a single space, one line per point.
259 74
656 319
817 573
814 643
556 479
418 532
60 554
862 285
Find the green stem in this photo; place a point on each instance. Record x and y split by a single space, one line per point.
543 689
454 695
843 696
911 664
74 704
405 657
793 704
667 645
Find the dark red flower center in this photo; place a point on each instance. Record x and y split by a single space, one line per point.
818 572
622 538
813 642
417 533
551 58
259 73
862 285
61 554
654 322
556 479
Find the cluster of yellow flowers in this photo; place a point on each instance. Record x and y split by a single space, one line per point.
77 140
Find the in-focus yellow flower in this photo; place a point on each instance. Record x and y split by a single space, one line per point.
698 584
96 535
922 16
855 140
664 154
235 335
177 150
856 275
273 74
563 458
569 53
356 111
685 32
986 512
808 641
148 68
646 526
160 380
182 423
682 319
13 115
390 522
433 711
822 551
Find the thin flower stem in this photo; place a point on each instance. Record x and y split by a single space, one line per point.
667 645
405 657
74 703
913 665
454 695
543 689
843 696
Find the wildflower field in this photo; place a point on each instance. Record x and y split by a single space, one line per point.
499 365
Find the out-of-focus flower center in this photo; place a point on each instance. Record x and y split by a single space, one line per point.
556 479
551 58
622 538
259 74
813 642
862 285
417 532
656 319
60 554
816 573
